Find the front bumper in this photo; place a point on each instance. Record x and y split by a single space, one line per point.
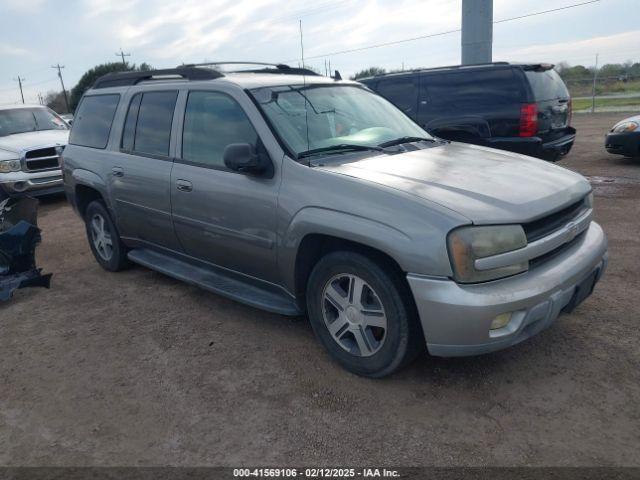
32 184
456 318
626 143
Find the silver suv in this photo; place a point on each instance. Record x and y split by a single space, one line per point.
297 193
31 140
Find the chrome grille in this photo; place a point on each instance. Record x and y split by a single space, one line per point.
544 226
42 159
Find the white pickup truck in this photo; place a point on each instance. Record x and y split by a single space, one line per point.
32 138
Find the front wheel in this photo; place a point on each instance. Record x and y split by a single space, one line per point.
362 314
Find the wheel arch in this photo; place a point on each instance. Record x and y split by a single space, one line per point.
314 232
88 187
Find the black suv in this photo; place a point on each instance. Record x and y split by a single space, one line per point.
524 108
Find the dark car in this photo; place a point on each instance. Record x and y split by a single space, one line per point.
624 138
523 108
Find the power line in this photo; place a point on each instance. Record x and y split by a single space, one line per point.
546 11
448 32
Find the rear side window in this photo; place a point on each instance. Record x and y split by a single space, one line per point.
92 123
147 128
474 89
547 85
402 92
212 121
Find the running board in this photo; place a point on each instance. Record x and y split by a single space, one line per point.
216 282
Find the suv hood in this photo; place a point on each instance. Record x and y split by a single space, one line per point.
18 142
483 184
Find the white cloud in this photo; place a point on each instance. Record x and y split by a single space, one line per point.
24 6
6 49
612 49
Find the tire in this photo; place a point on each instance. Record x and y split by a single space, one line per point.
359 346
114 258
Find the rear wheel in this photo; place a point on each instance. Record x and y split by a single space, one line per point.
104 238
362 314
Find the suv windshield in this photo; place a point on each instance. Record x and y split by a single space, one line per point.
317 117
21 120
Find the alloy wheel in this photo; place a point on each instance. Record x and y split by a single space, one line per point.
354 315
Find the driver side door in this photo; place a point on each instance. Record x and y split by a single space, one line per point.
223 217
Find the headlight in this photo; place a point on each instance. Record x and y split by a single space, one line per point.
7 166
467 244
625 127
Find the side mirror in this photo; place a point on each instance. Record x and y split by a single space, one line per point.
242 157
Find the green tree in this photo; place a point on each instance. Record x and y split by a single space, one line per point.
89 78
55 101
369 72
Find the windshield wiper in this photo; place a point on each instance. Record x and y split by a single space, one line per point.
401 140
340 147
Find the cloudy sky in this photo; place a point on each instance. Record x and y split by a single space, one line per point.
82 33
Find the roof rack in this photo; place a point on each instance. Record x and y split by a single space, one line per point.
444 67
118 79
280 68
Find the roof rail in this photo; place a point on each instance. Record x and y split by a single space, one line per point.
118 79
280 68
444 67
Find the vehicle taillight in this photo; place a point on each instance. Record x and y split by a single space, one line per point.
528 120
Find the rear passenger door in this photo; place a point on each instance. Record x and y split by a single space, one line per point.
223 217
141 173
480 103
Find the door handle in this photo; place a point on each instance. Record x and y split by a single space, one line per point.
117 172
184 185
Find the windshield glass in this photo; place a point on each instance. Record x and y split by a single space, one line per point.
321 116
21 120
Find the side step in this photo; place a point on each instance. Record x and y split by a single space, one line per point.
216 281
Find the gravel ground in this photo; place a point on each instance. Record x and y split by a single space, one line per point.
135 368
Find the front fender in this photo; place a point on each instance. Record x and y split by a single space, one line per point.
322 221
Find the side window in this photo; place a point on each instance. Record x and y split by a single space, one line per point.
402 92
212 121
147 127
92 123
474 89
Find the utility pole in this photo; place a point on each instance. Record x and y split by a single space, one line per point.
301 44
20 80
477 31
593 91
122 54
66 100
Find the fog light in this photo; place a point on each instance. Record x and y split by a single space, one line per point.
500 321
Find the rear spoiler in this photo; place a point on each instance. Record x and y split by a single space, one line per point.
538 67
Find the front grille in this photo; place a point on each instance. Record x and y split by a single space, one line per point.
534 262
549 224
42 159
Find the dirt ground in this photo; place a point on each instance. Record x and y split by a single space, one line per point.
135 368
